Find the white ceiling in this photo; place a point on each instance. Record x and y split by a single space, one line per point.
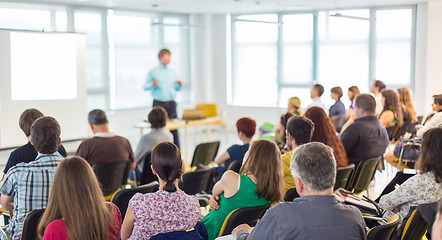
231 6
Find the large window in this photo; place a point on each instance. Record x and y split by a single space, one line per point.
277 56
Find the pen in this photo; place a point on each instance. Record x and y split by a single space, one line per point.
346 195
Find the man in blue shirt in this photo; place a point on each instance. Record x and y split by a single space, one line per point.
164 84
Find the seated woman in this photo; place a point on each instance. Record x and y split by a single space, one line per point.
338 107
246 129
391 113
74 192
279 130
408 111
353 91
325 133
424 187
166 210
259 182
293 106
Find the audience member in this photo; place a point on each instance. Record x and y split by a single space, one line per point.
392 112
408 111
27 153
338 107
436 233
315 94
317 214
105 146
366 137
157 118
294 106
26 185
424 187
325 133
299 131
259 181
166 210
74 192
434 119
376 88
246 129
280 137
353 91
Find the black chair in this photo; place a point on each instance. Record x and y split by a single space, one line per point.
290 195
414 227
342 176
197 181
338 121
122 197
199 232
205 153
235 166
30 224
147 175
362 176
384 231
249 215
112 176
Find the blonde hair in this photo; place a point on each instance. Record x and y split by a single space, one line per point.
76 197
263 161
405 100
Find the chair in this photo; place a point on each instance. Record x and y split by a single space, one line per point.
30 224
342 176
338 121
209 110
197 181
112 176
147 175
415 227
205 153
290 195
122 197
363 175
235 166
249 215
384 232
199 232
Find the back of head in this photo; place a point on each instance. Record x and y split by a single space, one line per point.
295 102
315 166
431 157
263 161
301 129
247 126
367 103
45 135
405 101
167 163
392 104
27 118
97 117
75 187
319 88
438 99
379 84
337 91
162 52
157 117
323 127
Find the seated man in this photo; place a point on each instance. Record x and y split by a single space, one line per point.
246 128
315 94
366 137
105 146
157 118
434 119
27 152
299 130
26 186
317 214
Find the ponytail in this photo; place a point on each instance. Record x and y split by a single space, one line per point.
170 186
167 163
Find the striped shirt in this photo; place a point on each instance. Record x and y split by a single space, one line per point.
29 184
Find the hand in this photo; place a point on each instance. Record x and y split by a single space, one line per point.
213 202
397 209
155 83
179 82
241 227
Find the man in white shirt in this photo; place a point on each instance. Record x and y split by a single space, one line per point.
376 88
315 94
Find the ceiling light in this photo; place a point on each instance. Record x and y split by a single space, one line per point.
352 17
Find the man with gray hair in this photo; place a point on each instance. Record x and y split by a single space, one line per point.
317 214
105 146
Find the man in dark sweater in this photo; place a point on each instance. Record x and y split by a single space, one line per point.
366 137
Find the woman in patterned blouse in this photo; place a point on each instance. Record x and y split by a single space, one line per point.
166 210
424 187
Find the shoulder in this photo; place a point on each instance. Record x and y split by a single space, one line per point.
230 179
56 230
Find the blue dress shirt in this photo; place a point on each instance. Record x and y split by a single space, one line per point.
166 88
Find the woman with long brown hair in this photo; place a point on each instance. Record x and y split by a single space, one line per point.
325 133
259 182
76 207
409 113
353 91
392 112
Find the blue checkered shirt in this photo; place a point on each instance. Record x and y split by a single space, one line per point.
29 184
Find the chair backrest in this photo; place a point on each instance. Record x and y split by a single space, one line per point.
342 176
199 232
147 175
205 153
235 166
384 231
122 197
30 224
338 121
112 176
249 215
415 227
197 181
290 195
209 110
363 175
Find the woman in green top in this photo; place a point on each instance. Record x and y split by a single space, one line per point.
259 182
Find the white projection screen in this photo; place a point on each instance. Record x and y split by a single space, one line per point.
45 71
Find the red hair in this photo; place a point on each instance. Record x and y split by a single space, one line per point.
325 133
247 126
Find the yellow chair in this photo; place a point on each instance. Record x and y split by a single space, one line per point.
384 231
415 227
209 110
